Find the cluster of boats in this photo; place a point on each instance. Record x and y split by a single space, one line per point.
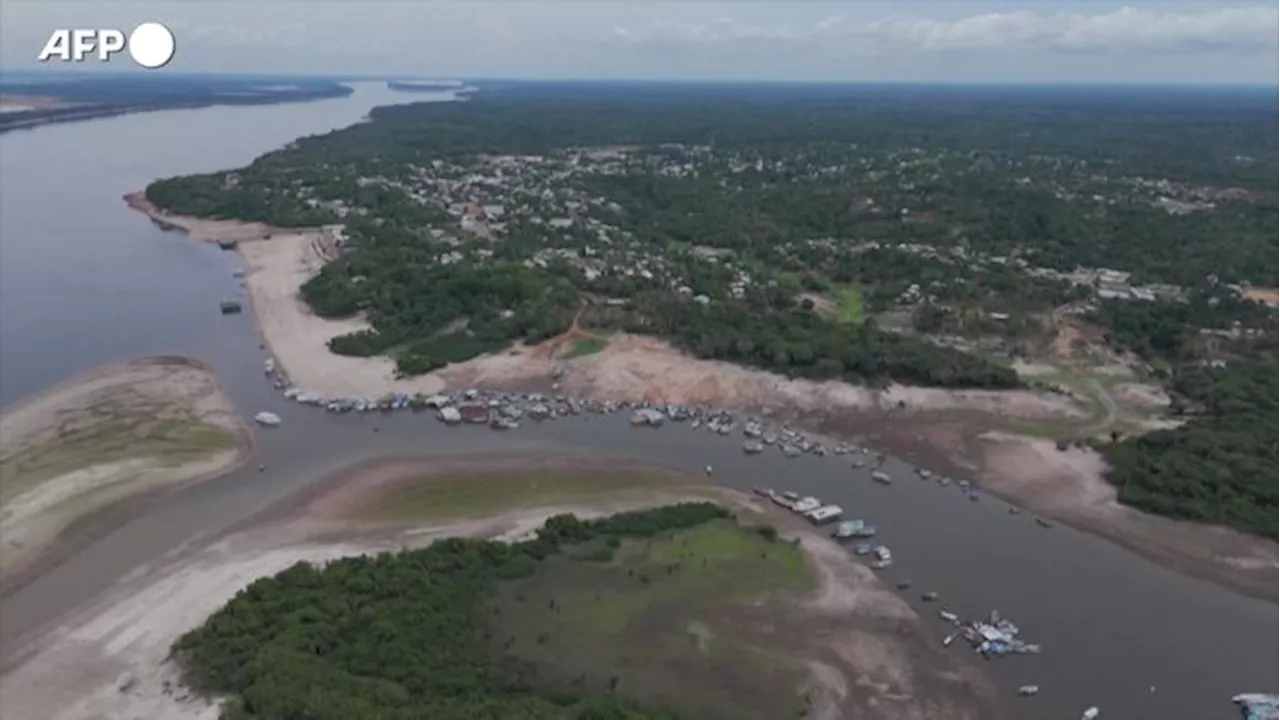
819 513
1258 706
992 636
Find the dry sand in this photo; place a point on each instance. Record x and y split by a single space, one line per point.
111 661
1069 485
99 439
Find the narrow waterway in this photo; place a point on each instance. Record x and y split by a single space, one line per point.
84 281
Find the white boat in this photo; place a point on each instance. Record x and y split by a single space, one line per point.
1028 690
948 616
881 477
1091 713
826 514
848 528
267 418
269 366
806 505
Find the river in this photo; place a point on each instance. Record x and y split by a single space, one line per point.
85 281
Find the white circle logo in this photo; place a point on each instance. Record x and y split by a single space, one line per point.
151 45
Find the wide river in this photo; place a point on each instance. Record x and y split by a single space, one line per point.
86 281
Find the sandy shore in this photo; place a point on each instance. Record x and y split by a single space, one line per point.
111 661
947 425
1069 485
106 437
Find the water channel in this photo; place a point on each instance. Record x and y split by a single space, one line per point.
86 281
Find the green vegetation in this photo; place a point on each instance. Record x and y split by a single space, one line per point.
583 346
659 614
1221 466
479 494
852 310
427 633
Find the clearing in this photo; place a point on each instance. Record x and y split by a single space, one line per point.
582 346
665 620
98 440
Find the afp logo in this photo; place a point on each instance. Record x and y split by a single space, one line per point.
151 45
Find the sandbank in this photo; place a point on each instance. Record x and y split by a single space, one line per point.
872 657
103 438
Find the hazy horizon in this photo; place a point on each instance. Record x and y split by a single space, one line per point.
1191 42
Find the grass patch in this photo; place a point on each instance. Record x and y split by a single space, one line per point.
583 346
668 620
480 494
172 442
852 306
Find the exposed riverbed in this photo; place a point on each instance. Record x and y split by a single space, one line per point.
85 281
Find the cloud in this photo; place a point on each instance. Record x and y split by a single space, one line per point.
1124 30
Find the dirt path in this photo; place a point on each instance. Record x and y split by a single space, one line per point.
110 662
104 438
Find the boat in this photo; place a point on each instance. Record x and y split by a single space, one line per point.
806 505
948 616
1028 690
862 549
929 596
752 447
269 366
884 558
825 514
1258 706
267 419
946 641
881 477
846 529
229 307
1090 713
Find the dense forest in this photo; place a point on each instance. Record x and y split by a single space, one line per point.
402 636
1221 466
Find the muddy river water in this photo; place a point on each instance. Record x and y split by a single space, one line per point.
85 281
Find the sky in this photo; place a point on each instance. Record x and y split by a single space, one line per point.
1223 41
